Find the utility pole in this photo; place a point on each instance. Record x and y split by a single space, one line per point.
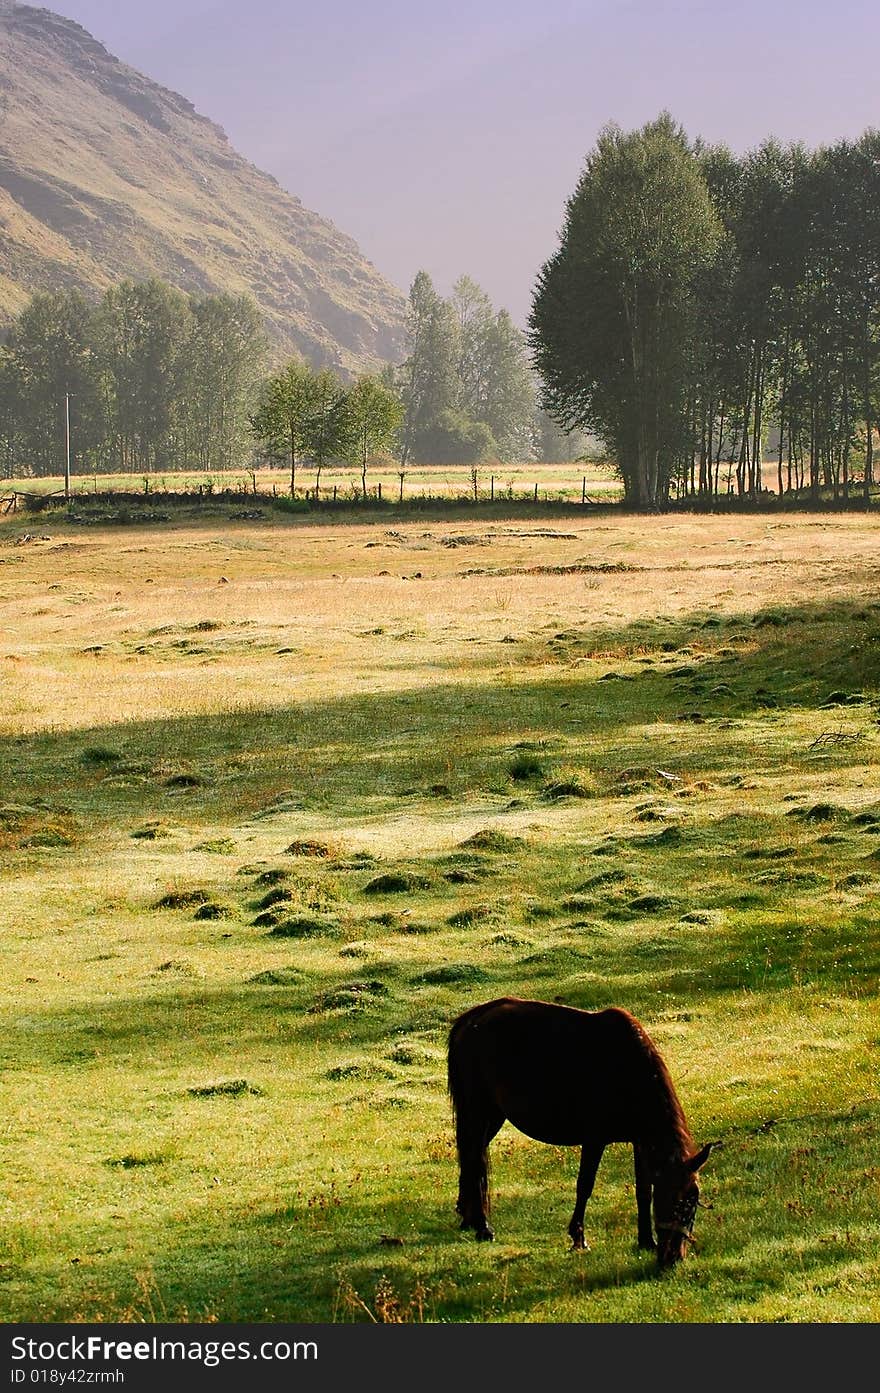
67 447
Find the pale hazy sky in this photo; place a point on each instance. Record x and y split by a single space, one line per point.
448 136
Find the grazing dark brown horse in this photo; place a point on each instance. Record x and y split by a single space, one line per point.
573 1078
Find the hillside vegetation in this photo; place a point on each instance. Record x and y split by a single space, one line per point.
106 175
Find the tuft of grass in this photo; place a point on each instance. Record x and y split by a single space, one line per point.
305 926
370 1071
492 839
225 1088
351 995
651 904
280 894
820 812
189 897
218 846
388 1304
396 883
566 788
136 1160
100 755
275 875
215 909
151 832
453 973
277 977
472 914
525 767
311 848
50 836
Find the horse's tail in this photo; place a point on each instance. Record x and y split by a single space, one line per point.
456 1077
467 1107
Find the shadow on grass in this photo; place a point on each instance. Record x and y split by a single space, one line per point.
450 740
361 1008
125 512
350 755
395 1252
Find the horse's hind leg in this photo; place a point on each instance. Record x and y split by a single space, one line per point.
474 1132
591 1155
643 1198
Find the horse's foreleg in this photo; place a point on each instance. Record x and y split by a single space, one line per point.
643 1198
591 1155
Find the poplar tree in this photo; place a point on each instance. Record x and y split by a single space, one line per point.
283 421
467 386
50 355
325 433
224 354
615 308
372 414
429 381
142 331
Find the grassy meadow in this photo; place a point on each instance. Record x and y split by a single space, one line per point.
560 482
280 797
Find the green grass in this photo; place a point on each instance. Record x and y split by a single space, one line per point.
208 1119
255 494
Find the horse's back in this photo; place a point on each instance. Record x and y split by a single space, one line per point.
559 1026
554 1071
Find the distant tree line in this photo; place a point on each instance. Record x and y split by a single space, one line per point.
704 309
156 380
465 393
467 386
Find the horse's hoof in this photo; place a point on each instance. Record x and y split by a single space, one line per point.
580 1245
485 1236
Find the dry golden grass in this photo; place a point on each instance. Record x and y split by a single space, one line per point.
101 626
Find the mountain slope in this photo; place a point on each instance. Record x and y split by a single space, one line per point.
104 175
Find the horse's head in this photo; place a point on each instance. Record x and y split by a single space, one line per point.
676 1196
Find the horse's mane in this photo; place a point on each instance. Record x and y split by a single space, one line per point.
672 1113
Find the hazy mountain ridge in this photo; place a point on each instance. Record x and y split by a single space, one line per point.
105 174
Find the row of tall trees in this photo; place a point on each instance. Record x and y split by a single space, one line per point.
155 379
703 309
308 414
158 380
467 386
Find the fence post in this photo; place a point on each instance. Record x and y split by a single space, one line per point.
584 490
492 488
536 493
379 491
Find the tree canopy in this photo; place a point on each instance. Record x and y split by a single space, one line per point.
467 387
307 413
156 380
371 415
704 309
615 308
